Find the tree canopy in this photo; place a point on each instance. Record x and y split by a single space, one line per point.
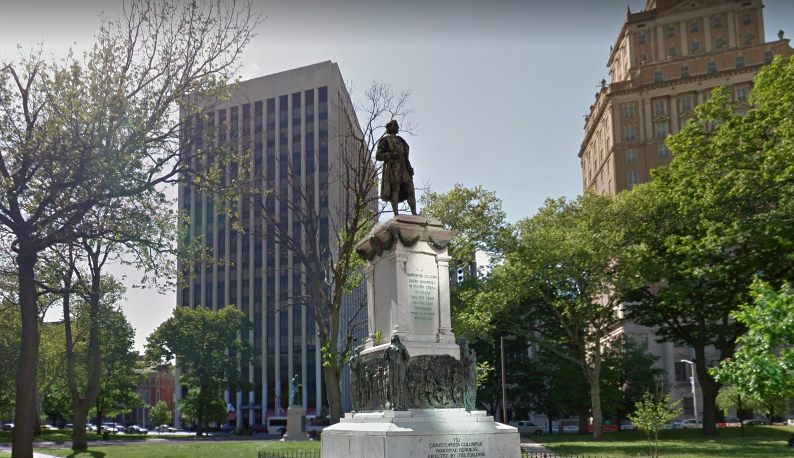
209 350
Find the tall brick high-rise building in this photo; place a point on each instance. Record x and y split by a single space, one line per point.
665 61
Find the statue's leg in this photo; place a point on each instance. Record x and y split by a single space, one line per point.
395 196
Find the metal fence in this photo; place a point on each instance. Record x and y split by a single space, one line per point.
291 454
526 454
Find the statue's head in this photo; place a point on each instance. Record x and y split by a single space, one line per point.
395 340
464 342
392 127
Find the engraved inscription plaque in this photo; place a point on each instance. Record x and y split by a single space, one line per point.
423 289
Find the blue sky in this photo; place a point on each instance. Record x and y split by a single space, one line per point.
500 88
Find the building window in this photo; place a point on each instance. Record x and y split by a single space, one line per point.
631 156
659 108
685 71
673 51
712 67
739 61
657 76
680 372
718 22
661 129
748 39
662 152
641 39
768 57
741 94
695 46
629 134
686 103
719 43
671 31
642 340
628 112
633 178
694 26
746 18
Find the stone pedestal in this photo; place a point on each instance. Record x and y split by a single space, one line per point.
411 384
296 431
437 433
408 286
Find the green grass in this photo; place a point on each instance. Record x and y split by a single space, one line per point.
225 448
66 436
759 441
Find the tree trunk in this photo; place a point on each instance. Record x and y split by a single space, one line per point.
584 420
24 415
551 427
334 392
200 412
79 433
595 400
710 389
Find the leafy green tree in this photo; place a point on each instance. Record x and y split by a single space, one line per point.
555 387
629 372
210 352
651 413
78 133
120 374
562 283
762 365
159 414
477 213
717 216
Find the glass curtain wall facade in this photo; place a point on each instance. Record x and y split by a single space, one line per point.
283 121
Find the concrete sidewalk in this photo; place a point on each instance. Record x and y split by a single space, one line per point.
531 446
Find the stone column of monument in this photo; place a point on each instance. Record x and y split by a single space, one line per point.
414 385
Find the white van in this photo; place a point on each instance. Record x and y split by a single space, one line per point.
276 426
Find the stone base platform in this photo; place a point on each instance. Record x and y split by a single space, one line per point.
432 433
296 430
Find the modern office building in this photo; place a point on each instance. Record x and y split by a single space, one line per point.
665 61
293 124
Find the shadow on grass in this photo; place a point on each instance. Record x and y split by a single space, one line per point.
87 454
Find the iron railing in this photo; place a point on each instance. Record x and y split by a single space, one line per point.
290 454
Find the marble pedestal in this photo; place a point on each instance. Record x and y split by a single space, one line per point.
432 433
295 425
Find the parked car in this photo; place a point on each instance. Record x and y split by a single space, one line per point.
69 426
8 427
109 428
162 428
135 429
691 423
756 422
49 427
258 428
672 424
527 427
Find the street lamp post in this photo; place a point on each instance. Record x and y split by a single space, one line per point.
504 405
692 382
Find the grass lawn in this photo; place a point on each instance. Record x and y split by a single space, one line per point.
759 441
66 436
191 449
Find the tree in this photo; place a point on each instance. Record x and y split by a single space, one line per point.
629 372
209 351
318 226
78 133
555 387
120 374
477 213
717 216
562 283
160 414
651 413
762 365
